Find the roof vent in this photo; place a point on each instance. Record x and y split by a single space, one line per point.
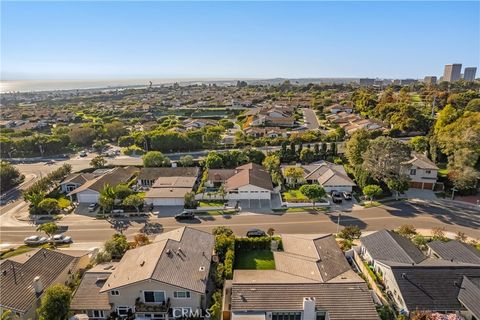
201 269
404 275
142 263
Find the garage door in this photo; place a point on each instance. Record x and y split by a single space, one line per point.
165 201
87 198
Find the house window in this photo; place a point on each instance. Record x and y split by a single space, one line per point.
96 314
321 315
181 294
124 311
413 172
428 171
115 293
154 296
286 316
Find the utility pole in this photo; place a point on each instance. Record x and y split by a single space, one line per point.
338 221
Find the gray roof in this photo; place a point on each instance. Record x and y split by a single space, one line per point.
16 279
162 261
456 250
112 178
88 295
388 246
432 288
469 295
343 301
155 173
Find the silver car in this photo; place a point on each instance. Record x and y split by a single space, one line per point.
60 238
32 240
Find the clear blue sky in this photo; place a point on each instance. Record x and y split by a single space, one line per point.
71 40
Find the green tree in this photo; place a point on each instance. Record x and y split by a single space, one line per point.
372 191
117 246
446 116
55 303
213 160
407 230
190 202
107 198
294 174
49 228
307 156
155 159
313 192
356 146
384 157
186 161
49 205
122 191
34 198
399 185
350 233
115 130
134 200
82 136
419 144
221 230
98 162
9 176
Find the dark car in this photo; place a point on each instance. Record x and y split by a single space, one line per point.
336 196
253 233
185 215
347 195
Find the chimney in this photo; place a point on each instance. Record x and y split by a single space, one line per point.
309 312
37 285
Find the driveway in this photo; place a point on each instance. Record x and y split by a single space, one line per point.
421 194
311 120
167 211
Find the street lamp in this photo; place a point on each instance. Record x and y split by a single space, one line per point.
338 221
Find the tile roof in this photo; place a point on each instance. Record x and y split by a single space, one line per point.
162 261
455 250
343 301
388 246
220 174
155 173
177 182
79 178
16 279
469 295
252 174
432 288
88 295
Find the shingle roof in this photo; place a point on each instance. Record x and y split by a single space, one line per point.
155 173
342 301
163 261
16 279
326 173
469 295
386 245
252 174
455 250
112 178
176 182
79 178
432 288
220 174
421 161
88 295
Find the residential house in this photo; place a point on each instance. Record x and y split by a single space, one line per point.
89 192
165 279
417 282
336 108
248 182
192 124
274 116
24 278
168 186
422 172
75 180
330 176
312 280
87 298
454 250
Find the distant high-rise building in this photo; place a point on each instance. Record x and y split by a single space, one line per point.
469 73
430 80
452 72
367 82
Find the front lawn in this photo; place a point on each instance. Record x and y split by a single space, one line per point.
294 195
302 209
210 203
255 259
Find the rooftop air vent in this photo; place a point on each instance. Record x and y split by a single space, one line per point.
201 269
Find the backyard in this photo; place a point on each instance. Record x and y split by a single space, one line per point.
255 259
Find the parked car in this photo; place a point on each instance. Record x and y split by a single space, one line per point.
32 240
253 233
185 215
50 162
92 207
60 238
336 196
83 154
347 195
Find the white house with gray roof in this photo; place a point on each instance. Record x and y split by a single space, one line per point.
165 279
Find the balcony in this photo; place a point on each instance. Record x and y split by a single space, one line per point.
151 307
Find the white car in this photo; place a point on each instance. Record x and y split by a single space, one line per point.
60 238
35 240
92 207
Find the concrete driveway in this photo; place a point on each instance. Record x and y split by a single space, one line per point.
167 211
420 194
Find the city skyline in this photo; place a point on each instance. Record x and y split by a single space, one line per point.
113 40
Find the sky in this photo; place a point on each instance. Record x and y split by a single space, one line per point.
120 39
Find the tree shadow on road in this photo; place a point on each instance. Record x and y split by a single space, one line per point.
347 220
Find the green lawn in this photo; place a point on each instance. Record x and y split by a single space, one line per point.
216 212
255 259
371 204
302 209
210 203
294 194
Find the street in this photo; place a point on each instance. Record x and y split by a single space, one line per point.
422 216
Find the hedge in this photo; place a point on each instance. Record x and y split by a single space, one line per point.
260 243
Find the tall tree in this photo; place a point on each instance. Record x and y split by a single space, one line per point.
49 228
313 192
55 303
294 174
155 159
372 191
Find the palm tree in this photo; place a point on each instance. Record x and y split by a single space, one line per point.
107 197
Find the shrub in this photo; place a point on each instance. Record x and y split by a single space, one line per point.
407 230
228 264
420 241
350 233
247 244
439 234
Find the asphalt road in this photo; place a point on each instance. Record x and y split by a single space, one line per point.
311 119
422 216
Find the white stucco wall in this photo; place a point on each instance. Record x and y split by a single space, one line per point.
250 192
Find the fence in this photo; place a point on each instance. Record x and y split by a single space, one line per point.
372 283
